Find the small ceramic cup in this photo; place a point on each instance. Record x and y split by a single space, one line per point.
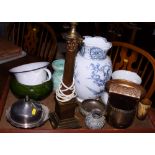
143 108
95 119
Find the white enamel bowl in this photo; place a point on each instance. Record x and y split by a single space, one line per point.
127 75
32 74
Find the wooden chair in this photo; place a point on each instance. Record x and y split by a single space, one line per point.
129 57
37 39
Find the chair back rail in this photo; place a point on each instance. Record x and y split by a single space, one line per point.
129 57
37 39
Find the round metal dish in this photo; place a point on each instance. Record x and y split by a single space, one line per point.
43 118
89 104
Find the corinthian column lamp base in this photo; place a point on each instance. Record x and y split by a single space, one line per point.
68 123
63 117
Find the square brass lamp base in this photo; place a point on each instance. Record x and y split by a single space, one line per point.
63 117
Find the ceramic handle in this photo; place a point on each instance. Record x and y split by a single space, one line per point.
49 74
105 97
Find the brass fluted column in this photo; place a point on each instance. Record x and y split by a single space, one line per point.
72 41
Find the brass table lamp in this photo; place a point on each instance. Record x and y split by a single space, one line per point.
65 101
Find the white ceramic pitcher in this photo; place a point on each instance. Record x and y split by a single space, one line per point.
93 68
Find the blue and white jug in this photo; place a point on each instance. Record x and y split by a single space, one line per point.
93 68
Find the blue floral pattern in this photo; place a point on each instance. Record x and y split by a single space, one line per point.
97 53
96 76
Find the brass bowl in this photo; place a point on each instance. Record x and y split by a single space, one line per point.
89 104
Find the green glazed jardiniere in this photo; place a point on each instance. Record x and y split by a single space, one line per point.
37 92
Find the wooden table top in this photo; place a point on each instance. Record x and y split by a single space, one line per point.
7 98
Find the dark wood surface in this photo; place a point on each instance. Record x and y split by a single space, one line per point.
7 98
